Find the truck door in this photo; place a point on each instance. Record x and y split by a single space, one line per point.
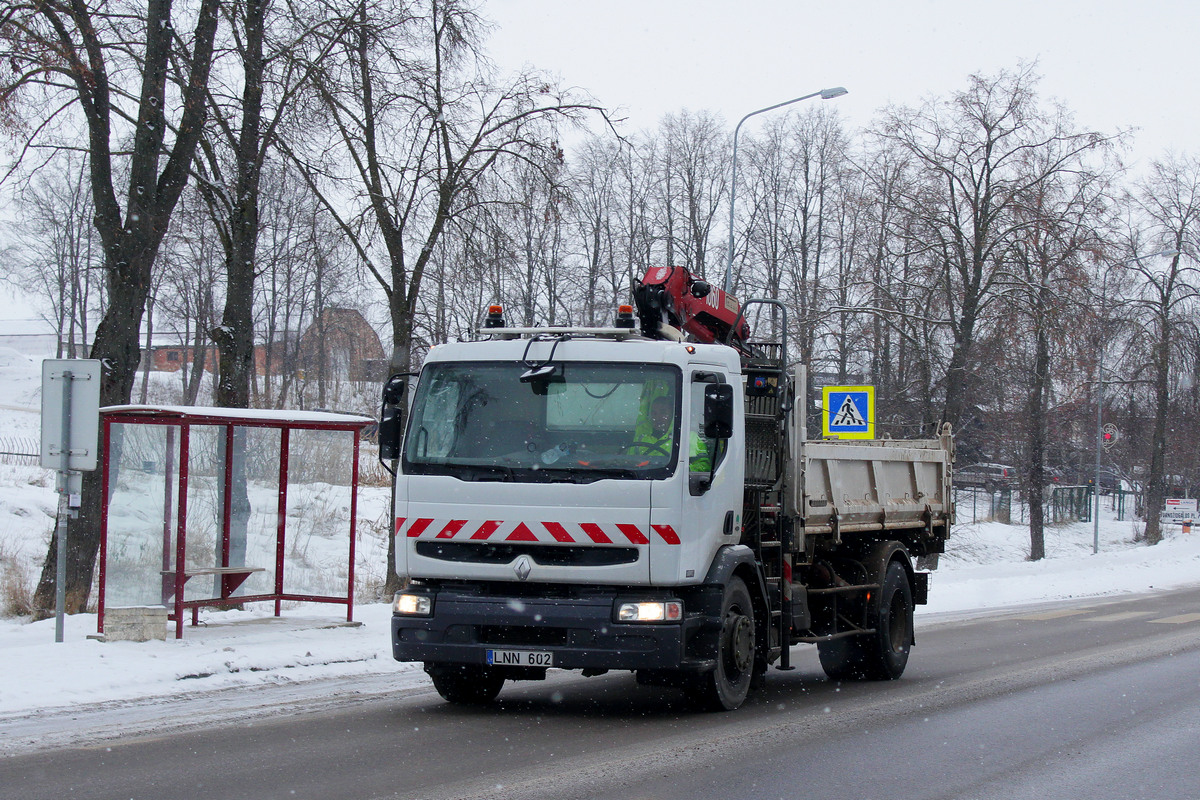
702 505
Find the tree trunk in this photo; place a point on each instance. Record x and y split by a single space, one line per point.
1156 482
116 346
235 336
1035 470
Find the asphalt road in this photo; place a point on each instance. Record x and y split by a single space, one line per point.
1097 700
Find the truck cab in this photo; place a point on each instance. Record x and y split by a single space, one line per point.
560 501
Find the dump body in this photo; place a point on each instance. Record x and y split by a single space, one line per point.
871 485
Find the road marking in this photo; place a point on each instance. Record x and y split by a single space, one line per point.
1176 620
1055 614
1121 617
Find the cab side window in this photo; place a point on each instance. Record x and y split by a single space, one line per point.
703 453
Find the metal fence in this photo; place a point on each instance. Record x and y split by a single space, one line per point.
22 450
1071 504
1063 504
983 505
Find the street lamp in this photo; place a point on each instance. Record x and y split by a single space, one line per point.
1100 391
824 94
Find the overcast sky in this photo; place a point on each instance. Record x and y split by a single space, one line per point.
1117 65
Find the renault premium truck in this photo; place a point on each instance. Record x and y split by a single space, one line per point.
644 497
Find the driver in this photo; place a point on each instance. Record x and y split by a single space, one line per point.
655 439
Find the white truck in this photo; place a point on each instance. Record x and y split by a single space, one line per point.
645 498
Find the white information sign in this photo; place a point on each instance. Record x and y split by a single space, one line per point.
83 413
1180 510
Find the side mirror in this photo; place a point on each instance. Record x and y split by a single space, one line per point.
394 390
718 411
391 417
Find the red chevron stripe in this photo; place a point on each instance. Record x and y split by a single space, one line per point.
558 532
633 533
418 527
452 527
596 533
667 533
521 534
486 529
399 525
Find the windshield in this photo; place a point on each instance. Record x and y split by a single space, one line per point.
480 421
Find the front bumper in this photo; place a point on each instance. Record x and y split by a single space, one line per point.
578 631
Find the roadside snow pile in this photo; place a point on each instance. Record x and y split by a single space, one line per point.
986 565
238 649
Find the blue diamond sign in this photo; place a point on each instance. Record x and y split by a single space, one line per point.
848 412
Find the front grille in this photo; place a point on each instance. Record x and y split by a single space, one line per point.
529 637
544 554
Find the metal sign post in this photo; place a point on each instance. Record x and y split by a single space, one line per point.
70 433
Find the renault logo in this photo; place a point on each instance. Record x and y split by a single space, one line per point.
523 567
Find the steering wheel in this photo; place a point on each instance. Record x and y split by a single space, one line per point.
649 448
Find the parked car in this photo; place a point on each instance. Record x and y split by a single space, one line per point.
986 476
1110 479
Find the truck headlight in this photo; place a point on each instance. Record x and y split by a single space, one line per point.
416 605
650 611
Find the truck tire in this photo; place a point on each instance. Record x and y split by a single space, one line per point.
465 684
727 686
882 655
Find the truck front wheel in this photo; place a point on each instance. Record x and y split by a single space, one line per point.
726 687
883 654
465 684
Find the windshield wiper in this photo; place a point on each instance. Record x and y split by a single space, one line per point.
466 472
590 475
477 472
612 472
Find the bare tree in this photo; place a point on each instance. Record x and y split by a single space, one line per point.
1045 286
692 176
59 252
189 276
111 64
301 254
970 152
794 165
1167 303
275 47
420 124
595 173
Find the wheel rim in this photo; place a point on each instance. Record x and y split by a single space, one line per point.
898 634
739 641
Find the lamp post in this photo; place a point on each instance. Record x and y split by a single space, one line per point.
1100 390
824 94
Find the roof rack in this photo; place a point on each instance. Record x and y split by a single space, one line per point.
551 332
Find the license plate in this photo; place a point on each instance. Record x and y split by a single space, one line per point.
520 658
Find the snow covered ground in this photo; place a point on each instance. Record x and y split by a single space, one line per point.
985 567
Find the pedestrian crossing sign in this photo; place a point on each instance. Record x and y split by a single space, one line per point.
848 412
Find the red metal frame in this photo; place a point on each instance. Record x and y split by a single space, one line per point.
103 527
230 577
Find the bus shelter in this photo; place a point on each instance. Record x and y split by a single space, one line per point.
218 507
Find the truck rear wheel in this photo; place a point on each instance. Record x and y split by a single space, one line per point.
465 684
726 687
883 654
